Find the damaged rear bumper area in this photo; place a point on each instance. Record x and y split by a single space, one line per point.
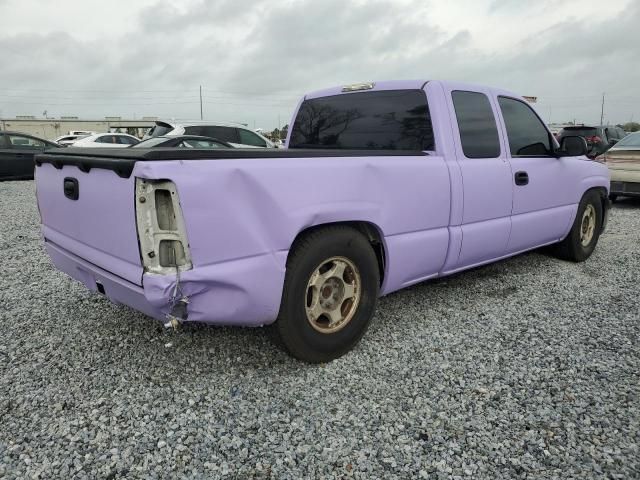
243 292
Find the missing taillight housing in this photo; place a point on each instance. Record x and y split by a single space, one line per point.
164 210
162 235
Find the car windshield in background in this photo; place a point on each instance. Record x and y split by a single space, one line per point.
196 143
379 120
631 140
151 142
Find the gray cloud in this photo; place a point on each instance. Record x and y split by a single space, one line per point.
255 58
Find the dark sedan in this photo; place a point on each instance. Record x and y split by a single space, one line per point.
16 154
183 141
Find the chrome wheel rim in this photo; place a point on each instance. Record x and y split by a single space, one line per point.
588 225
333 294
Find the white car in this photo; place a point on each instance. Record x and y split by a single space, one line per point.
66 140
237 135
108 140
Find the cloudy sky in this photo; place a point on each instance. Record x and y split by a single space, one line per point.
254 58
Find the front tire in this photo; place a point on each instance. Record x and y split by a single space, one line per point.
585 232
330 293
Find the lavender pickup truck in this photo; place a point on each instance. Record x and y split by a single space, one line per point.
382 186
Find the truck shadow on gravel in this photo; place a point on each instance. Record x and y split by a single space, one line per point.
410 307
627 203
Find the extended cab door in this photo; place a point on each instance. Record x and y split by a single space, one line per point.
486 177
542 200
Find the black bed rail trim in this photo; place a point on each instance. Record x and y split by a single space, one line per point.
123 160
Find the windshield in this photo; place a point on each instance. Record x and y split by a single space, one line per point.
631 140
151 142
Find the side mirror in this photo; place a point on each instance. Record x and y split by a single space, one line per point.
573 146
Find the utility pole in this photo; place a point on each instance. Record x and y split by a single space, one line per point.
602 111
201 117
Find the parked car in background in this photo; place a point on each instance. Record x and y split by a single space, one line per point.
16 154
599 138
623 160
183 141
382 186
66 140
82 132
237 135
109 140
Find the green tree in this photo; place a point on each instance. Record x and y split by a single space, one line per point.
631 127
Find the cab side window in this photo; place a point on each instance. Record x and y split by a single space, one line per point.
528 137
477 125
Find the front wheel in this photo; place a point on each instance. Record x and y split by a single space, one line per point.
330 294
585 232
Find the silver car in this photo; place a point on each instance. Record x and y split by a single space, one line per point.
237 135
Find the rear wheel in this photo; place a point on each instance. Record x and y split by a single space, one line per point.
330 293
585 232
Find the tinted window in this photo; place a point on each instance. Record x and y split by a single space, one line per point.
391 119
18 141
226 134
105 139
477 125
527 134
250 138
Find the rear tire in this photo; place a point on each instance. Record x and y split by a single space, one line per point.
330 293
585 232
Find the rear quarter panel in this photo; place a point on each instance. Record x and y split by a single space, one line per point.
242 217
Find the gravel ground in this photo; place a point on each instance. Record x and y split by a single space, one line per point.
528 368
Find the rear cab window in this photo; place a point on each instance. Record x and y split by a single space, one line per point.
374 120
477 124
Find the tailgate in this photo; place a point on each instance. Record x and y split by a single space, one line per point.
99 225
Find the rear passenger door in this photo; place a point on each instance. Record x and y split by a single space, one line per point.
486 178
542 202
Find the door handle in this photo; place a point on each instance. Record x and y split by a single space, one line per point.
521 178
